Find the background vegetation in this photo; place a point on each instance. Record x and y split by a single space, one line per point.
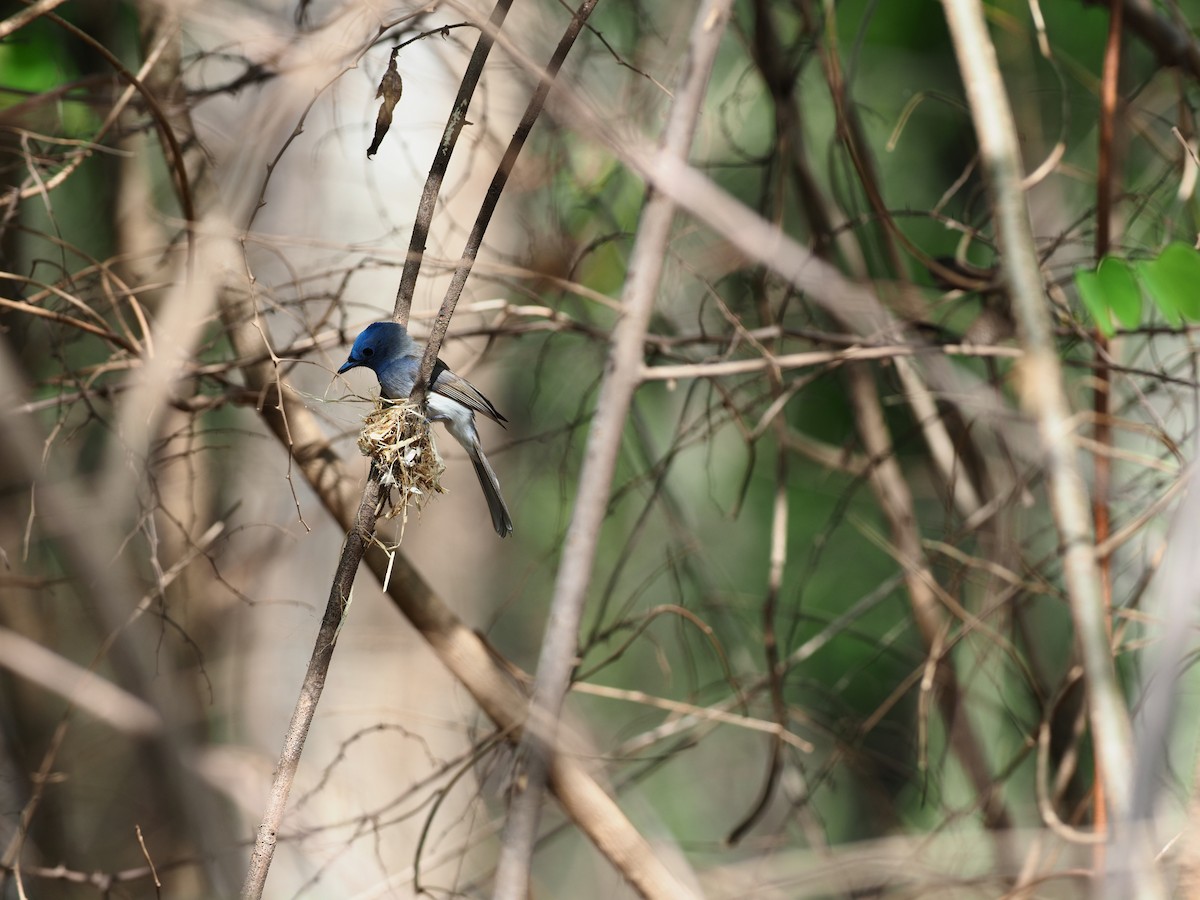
833 643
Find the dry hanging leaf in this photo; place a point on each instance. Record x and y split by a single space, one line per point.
391 86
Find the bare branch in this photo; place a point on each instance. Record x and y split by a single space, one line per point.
441 162
1043 394
621 378
362 532
488 208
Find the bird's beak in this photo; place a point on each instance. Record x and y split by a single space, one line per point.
349 364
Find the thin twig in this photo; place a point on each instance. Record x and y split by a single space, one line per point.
818 358
149 861
701 713
19 20
177 163
777 560
1102 391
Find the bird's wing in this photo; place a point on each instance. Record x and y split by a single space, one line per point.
462 391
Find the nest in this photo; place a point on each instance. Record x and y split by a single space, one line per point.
396 436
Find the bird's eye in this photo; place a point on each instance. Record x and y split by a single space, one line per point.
368 352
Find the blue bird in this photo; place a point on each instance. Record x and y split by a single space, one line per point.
389 350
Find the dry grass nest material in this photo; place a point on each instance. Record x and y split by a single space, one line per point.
396 435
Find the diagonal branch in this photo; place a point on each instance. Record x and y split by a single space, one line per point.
460 649
896 502
477 667
441 162
621 378
1172 42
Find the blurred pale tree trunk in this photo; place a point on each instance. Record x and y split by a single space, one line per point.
851 550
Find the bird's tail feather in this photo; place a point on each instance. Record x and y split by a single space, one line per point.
490 484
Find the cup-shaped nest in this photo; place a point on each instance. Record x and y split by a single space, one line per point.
396 435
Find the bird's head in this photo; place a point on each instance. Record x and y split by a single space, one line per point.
379 343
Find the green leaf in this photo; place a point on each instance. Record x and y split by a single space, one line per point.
1121 290
1164 301
1173 281
1091 292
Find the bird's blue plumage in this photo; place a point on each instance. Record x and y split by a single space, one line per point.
389 350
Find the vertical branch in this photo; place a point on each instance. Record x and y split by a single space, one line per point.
1043 392
363 529
1102 394
357 542
896 502
1108 118
942 452
622 376
441 162
311 449
775 674
596 813
494 191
